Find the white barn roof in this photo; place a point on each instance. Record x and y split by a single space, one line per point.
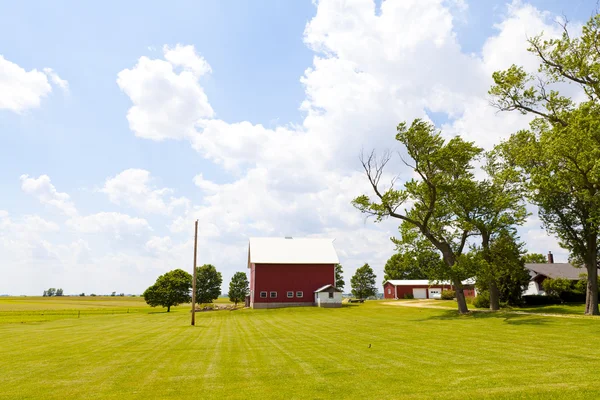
292 251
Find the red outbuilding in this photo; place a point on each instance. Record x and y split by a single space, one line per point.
286 272
422 288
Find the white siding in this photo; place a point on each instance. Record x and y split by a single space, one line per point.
323 298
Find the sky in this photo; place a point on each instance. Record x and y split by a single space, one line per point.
121 123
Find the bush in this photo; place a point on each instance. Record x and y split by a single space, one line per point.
573 297
482 300
448 294
469 300
409 296
538 300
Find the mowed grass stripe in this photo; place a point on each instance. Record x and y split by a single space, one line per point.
301 353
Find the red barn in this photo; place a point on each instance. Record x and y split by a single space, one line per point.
286 272
422 288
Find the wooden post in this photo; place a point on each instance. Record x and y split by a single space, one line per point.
194 275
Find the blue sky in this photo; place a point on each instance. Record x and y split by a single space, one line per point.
298 77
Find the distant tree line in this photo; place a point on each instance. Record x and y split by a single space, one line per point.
52 292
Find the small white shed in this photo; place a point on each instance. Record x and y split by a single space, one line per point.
328 296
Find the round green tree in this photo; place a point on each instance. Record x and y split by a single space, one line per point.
238 288
208 284
170 289
363 282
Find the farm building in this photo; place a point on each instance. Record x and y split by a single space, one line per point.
287 272
422 288
539 272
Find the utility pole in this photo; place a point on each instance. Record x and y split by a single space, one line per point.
194 275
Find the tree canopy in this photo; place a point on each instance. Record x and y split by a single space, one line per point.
170 289
559 156
428 206
363 282
339 277
408 265
208 284
534 258
238 288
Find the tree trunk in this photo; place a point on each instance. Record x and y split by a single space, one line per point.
450 260
460 297
591 295
168 308
493 285
494 296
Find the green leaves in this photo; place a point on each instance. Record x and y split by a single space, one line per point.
238 287
170 289
208 284
363 282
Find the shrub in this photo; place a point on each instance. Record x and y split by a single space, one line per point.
538 300
469 300
409 296
573 297
482 300
448 294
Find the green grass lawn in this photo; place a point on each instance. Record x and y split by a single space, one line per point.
366 351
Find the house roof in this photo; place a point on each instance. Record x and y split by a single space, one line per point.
411 282
321 289
555 270
292 251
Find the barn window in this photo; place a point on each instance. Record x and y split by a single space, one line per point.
331 295
263 294
299 294
273 295
290 295
389 291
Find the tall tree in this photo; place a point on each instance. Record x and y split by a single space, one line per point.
208 284
59 292
363 282
558 156
493 206
429 201
339 277
503 262
170 289
534 258
238 288
51 292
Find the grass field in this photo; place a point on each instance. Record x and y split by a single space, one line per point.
367 351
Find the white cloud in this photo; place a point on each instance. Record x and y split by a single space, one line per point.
21 90
134 187
57 80
46 193
166 104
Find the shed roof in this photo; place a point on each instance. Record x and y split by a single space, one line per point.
411 282
330 286
555 270
292 251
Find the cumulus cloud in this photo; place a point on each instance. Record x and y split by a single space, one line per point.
46 193
21 90
167 102
134 187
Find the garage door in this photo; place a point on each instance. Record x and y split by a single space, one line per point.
420 293
435 293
